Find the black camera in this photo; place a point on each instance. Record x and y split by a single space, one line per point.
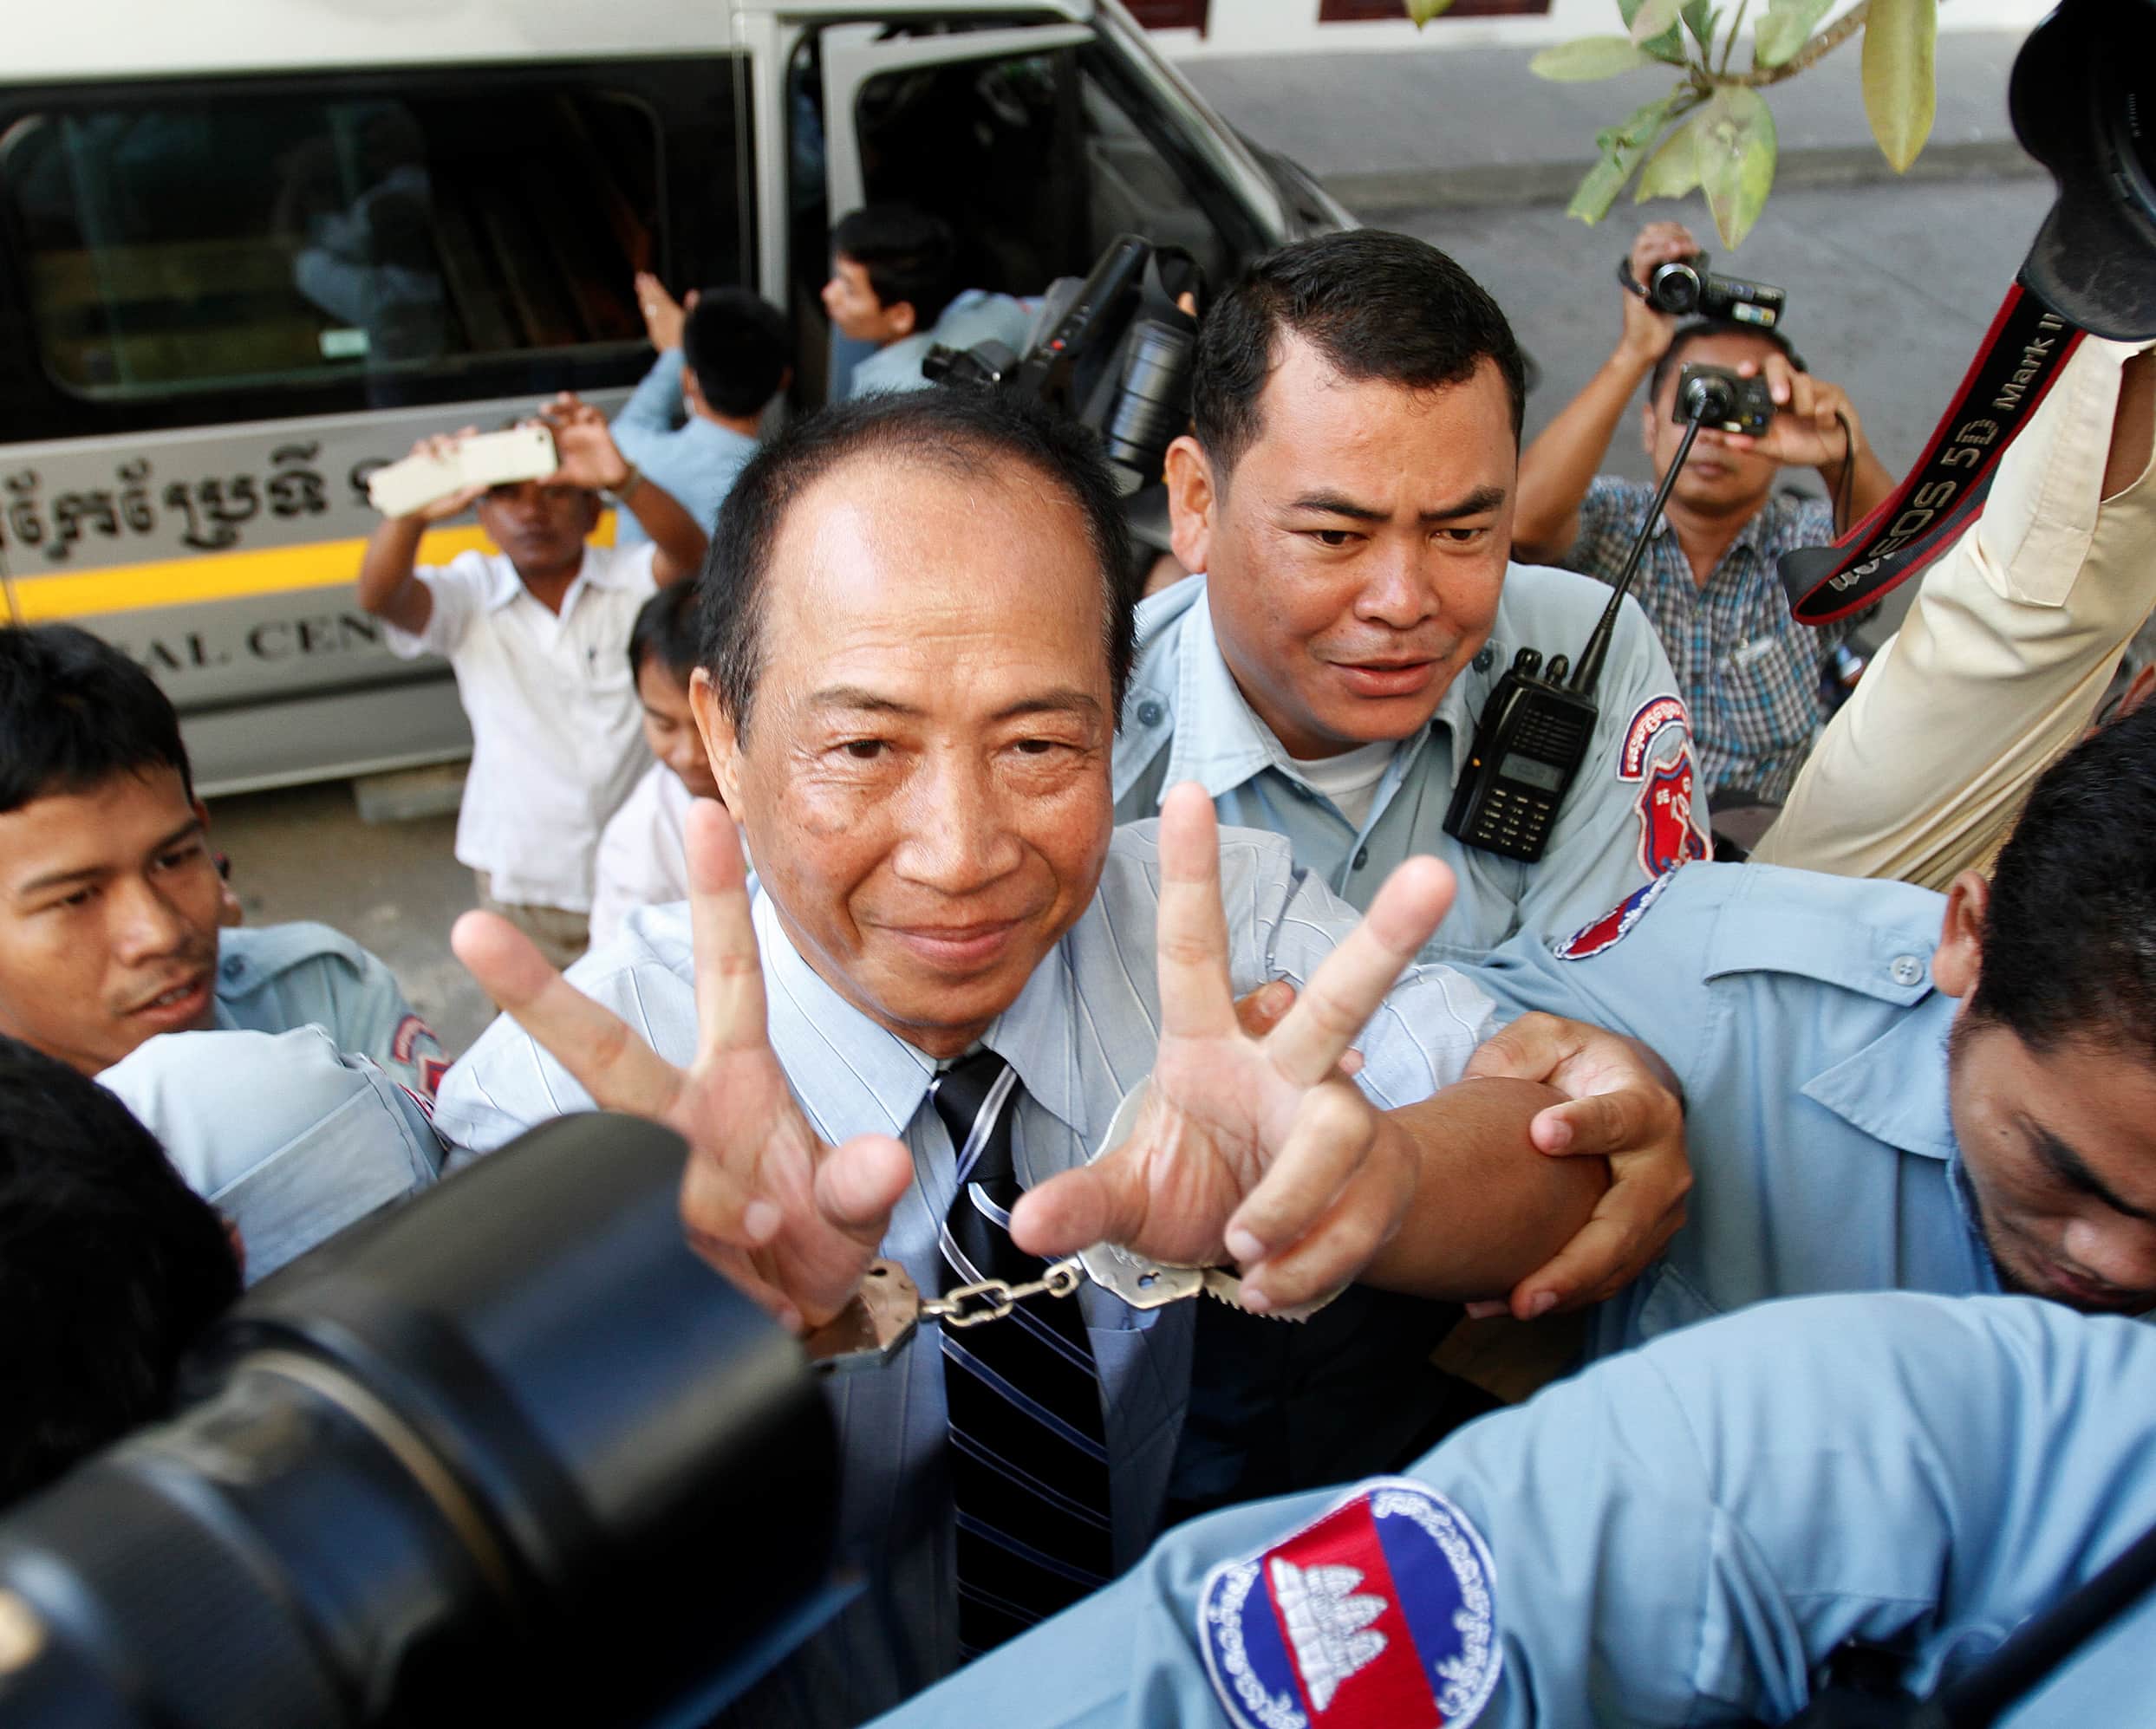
1113 352
2083 99
1686 287
512 1453
1716 397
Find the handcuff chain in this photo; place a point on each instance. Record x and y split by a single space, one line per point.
999 1296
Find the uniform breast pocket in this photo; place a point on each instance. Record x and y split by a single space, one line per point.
1770 687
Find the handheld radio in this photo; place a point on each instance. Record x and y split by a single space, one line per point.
1535 728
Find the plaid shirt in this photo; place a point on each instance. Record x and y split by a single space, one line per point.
1750 672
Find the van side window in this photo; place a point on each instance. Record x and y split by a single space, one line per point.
389 242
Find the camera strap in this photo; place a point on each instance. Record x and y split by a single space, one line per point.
2023 356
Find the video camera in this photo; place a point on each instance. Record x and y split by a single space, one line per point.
1686 287
512 1453
1113 352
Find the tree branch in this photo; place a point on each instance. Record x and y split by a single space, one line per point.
1810 54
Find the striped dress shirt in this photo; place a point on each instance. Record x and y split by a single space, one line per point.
1081 1034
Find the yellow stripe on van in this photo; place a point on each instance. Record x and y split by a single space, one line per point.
226 576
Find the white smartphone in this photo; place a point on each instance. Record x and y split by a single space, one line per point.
483 459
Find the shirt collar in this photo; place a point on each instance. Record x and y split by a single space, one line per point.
506 585
847 1070
1895 1089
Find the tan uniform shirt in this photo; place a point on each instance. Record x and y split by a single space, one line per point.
2001 663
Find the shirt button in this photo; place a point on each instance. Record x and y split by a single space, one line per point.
1362 857
1486 659
1905 969
233 967
1151 713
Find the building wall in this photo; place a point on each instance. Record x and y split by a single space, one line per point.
1284 26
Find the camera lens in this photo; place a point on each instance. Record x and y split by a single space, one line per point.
1152 401
1674 288
2129 86
1710 400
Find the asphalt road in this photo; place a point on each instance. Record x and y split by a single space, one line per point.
1889 288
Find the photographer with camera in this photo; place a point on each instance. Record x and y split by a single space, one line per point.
1709 582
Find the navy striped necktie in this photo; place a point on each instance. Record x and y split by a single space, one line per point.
1028 1452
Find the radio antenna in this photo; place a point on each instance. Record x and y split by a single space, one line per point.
1701 400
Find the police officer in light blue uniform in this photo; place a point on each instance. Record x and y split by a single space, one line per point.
1887 1089
288 1137
1349 492
1682 1534
112 959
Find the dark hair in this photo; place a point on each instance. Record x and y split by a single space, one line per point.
910 257
73 712
1376 305
110 1267
2069 938
736 344
668 628
961 432
1698 330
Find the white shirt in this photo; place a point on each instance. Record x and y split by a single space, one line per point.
644 857
1349 780
556 741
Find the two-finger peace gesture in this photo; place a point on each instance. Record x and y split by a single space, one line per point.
794 1220
1254 1146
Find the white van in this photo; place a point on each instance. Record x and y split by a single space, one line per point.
254 248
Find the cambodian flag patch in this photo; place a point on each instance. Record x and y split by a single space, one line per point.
1609 930
1381 1613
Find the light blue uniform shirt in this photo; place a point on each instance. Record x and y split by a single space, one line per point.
973 317
694 459
273 978
1798 1014
1682 1535
1082 1033
1635 808
287 1136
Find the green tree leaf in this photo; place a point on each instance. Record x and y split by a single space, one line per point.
1673 169
1652 18
1667 46
1787 27
1622 147
1423 10
1736 147
1700 18
1900 88
1588 59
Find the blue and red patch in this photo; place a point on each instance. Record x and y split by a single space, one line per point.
1669 828
1609 930
1380 1613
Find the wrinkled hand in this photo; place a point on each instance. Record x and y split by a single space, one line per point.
1804 433
444 444
792 1219
1254 1145
1647 332
1622 1104
584 451
663 315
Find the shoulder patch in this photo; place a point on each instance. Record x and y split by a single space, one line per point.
1609 930
1669 832
1651 718
1382 1612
